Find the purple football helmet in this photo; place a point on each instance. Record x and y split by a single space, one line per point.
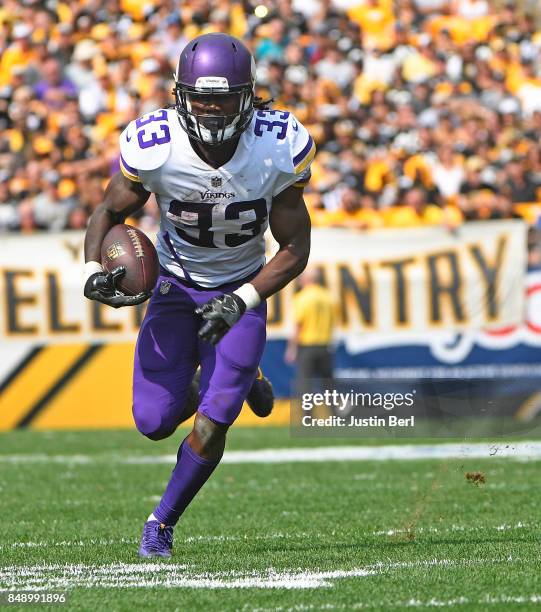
216 72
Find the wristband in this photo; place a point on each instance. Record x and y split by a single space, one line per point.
91 267
249 295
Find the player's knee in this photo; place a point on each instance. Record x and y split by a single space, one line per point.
207 438
159 434
152 424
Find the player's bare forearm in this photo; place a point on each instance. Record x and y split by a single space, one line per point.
122 198
290 226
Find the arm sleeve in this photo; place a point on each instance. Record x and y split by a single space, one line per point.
301 150
129 171
145 145
127 150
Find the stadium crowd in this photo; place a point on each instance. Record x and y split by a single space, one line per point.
423 111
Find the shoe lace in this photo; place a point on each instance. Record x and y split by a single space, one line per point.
157 536
167 534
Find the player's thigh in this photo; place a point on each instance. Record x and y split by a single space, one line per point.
165 361
229 370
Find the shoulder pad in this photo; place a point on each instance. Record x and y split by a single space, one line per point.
293 147
145 144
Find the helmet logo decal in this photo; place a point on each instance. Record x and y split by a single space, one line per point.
212 82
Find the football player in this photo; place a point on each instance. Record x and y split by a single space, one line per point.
223 168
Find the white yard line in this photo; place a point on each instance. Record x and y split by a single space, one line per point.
68 543
386 452
142 575
522 451
120 575
414 602
455 528
43 458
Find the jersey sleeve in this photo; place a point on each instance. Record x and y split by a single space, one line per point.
299 152
145 145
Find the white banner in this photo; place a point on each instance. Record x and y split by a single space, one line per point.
425 279
385 282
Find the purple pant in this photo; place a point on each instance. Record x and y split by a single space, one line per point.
168 352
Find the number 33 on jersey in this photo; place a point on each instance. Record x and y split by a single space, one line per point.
213 220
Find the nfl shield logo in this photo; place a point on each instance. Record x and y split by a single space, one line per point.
216 181
164 287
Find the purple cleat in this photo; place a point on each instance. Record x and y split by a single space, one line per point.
157 540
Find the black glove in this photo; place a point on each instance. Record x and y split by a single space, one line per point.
101 286
220 314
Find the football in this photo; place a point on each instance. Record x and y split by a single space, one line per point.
127 246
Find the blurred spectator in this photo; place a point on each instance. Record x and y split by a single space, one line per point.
334 67
53 88
80 70
471 9
78 218
9 219
353 211
423 111
447 173
273 42
50 210
172 39
519 185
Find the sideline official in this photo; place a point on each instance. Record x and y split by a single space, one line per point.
311 344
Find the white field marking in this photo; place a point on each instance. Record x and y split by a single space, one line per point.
497 599
434 602
413 602
42 458
120 575
69 543
529 450
131 575
522 451
455 528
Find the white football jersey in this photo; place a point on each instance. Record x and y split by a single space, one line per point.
213 219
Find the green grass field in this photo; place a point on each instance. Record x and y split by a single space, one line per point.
290 535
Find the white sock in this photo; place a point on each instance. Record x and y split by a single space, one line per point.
152 518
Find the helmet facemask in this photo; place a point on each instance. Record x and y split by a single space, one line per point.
195 109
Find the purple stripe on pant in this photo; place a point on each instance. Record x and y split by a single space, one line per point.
168 352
